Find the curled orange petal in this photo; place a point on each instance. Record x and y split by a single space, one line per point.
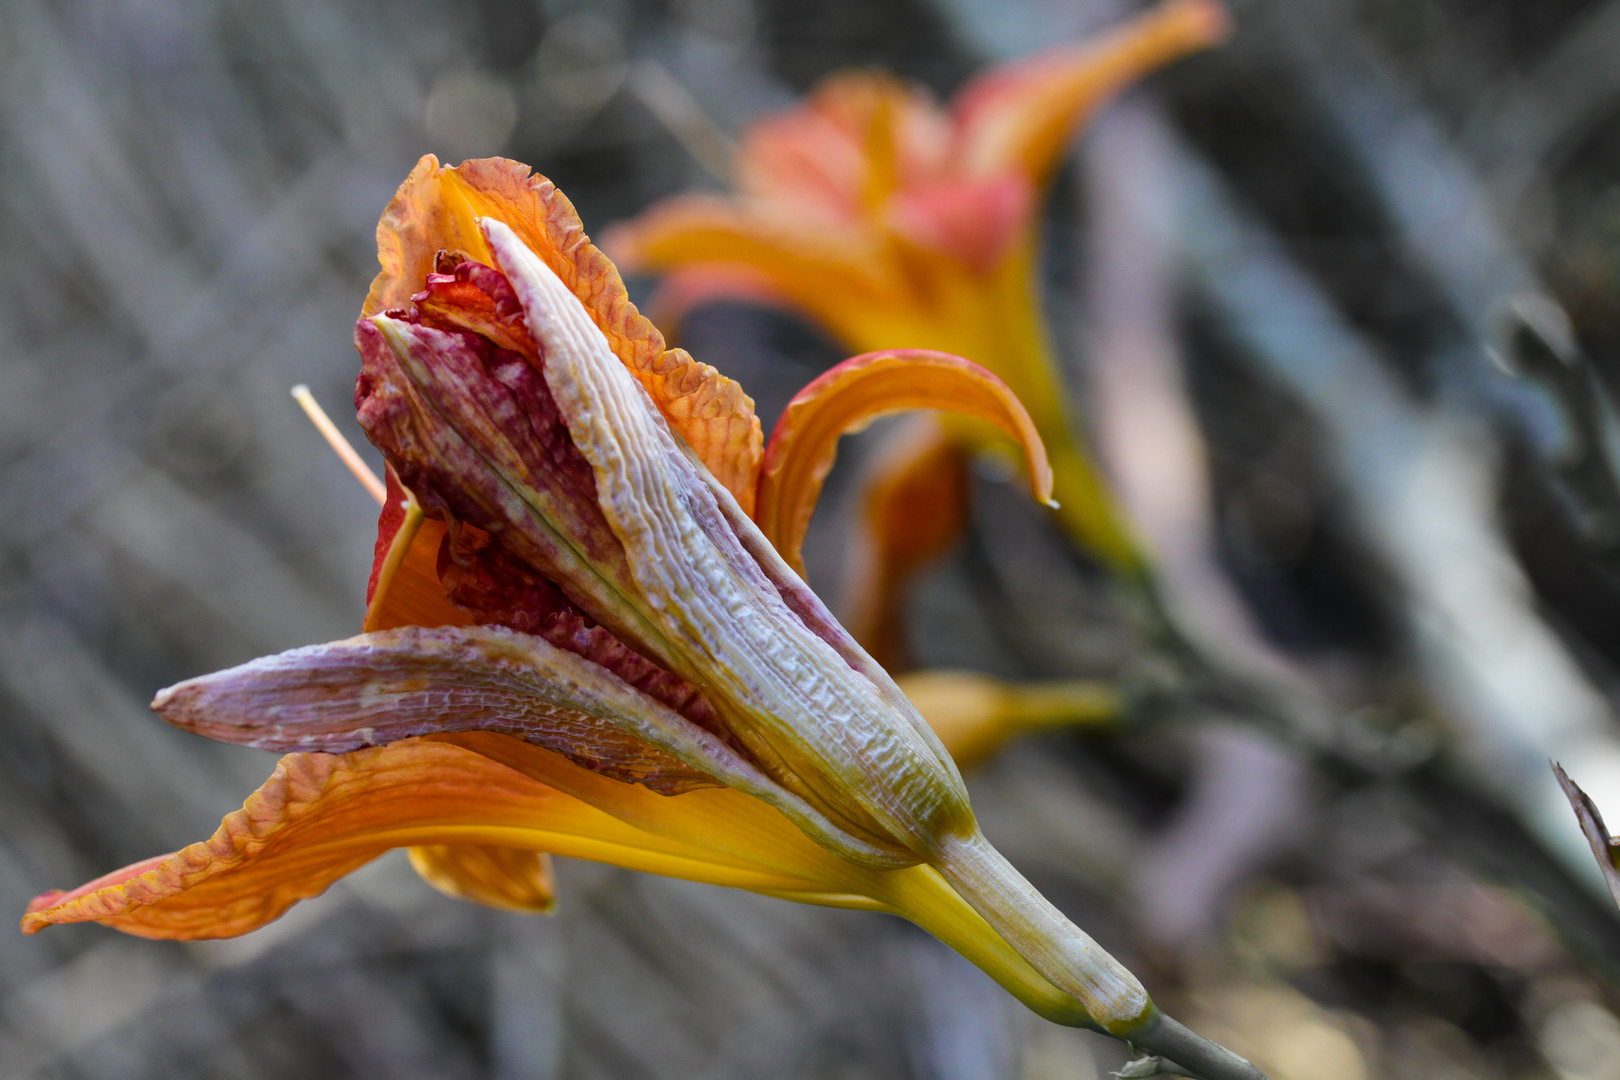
507 878
845 398
1020 116
321 816
317 818
437 208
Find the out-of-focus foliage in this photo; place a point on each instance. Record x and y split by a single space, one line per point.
1289 276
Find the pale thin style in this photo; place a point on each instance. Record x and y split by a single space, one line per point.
334 438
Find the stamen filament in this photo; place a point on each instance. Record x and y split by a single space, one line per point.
334 438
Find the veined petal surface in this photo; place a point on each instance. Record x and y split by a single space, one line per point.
382 687
321 816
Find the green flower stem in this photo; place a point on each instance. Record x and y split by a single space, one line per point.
1190 1052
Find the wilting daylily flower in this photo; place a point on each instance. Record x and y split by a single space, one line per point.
891 221
578 641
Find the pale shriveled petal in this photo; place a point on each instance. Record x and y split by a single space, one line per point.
806 716
382 687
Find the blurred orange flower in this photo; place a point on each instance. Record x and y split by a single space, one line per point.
891 221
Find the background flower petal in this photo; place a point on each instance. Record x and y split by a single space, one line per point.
1021 116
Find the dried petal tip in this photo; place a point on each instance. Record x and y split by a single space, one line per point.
1605 848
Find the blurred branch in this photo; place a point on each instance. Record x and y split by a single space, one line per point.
1450 226
675 107
1425 503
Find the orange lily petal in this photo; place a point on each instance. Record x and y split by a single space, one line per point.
853 393
974 714
506 878
913 508
438 209
405 590
976 221
389 520
1020 117
320 816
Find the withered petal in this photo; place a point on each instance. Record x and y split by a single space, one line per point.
803 712
474 433
382 687
392 685
852 394
438 208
